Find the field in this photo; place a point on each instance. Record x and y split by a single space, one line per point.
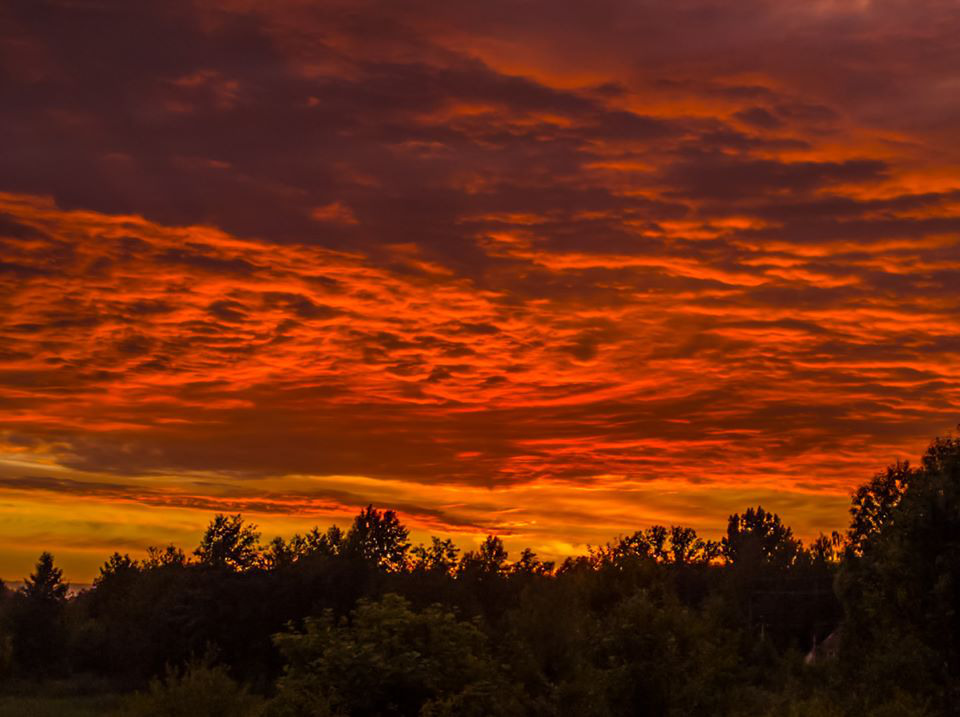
75 706
61 698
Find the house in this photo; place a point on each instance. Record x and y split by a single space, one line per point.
825 651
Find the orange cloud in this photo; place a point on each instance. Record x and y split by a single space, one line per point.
591 268
336 212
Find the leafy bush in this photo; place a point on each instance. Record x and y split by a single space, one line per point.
198 690
389 660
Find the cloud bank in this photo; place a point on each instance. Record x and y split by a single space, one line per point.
376 251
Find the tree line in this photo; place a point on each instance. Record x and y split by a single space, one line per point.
659 622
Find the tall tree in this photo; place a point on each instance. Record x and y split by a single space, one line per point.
901 590
314 543
657 539
529 564
439 557
38 630
626 549
45 585
685 546
759 538
117 568
489 559
169 556
280 554
229 542
874 503
378 537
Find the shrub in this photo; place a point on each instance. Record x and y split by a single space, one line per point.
198 690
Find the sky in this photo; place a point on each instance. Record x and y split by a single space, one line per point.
547 269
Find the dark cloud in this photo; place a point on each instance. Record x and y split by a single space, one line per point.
300 305
722 177
759 117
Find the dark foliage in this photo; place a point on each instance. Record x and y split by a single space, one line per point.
35 616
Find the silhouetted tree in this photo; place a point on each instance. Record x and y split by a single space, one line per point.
901 590
314 543
685 546
657 539
778 601
827 549
165 557
529 564
379 538
759 538
626 549
38 630
45 585
228 542
439 557
279 554
117 567
489 559
874 503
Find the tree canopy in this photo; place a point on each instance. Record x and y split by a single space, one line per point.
230 543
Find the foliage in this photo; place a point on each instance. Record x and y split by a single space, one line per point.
229 543
117 568
901 585
439 557
388 660
198 690
45 585
529 564
36 618
758 538
490 559
169 556
678 545
379 538
657 657
874 504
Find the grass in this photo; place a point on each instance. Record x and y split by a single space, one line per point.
75 706
76 697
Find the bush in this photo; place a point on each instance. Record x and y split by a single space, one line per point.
199 690
389 660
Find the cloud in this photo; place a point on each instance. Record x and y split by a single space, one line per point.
266 360
633 244
336 212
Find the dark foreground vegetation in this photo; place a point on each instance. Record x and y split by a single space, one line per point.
660 622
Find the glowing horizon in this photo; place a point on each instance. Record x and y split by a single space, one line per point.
545 271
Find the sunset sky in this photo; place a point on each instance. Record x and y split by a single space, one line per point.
550 269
